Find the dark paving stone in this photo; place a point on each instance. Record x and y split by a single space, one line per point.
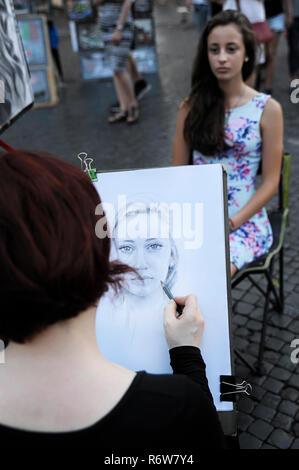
285 362
274 344
271 356
290 394
242 332
266 447
254 325
280 374
283 421
258 393
295 444
296 429
240 320
243 421
249 442
264 412
273 385
289 408
260 429
245 405
244 308
280 439
294 381
271 400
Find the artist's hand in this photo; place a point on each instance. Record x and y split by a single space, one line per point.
186 330
116 37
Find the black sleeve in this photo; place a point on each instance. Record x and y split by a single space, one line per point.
187 360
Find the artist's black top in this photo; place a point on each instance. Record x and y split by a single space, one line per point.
273 8
157 412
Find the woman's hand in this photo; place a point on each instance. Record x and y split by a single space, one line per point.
116 37
186 330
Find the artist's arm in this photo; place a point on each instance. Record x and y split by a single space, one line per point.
272 148
180 146
183 335
117 34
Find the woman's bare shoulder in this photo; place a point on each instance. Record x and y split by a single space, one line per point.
184 107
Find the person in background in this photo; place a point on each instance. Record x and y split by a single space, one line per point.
226 121
117 28
254 10
141 86
54 42
57 390
278 14
293 42
202 11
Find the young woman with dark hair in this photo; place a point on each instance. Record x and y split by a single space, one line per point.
56 387
225 121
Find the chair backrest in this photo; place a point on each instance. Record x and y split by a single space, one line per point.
284 183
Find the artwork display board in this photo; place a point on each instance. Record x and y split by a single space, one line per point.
35 37
86 39
15 91
170 224
79 10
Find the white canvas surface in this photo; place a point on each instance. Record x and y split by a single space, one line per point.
131 333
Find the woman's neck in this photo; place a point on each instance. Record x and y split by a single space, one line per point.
233 90
70 342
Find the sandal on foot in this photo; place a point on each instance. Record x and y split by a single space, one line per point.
118 117
133 114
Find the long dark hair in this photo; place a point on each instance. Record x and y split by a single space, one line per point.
204 125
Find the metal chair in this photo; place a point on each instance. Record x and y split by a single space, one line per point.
265 264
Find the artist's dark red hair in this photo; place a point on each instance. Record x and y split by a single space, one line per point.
52 265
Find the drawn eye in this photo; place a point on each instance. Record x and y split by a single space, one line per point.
154 247
126 249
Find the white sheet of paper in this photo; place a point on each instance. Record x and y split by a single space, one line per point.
129 326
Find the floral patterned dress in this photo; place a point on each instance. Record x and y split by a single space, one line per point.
254 238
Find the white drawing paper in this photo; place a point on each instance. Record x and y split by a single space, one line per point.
167 223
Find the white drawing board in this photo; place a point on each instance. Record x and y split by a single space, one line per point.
189 252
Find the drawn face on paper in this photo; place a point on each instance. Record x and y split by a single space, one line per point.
146 251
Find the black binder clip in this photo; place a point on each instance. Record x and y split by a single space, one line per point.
229 390
86 166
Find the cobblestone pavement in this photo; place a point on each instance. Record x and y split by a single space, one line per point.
270 419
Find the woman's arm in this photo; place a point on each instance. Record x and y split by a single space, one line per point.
180 146
117 34
272 141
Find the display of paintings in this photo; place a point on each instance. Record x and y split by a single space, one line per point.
89 36
146 58
40 85
79 10
33 38
144 33
95 65
14 74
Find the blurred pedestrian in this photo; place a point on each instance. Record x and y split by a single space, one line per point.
54 42
293 41
278 14
141 86
201 11
255 12
117 27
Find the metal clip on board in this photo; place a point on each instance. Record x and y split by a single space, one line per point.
230 391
